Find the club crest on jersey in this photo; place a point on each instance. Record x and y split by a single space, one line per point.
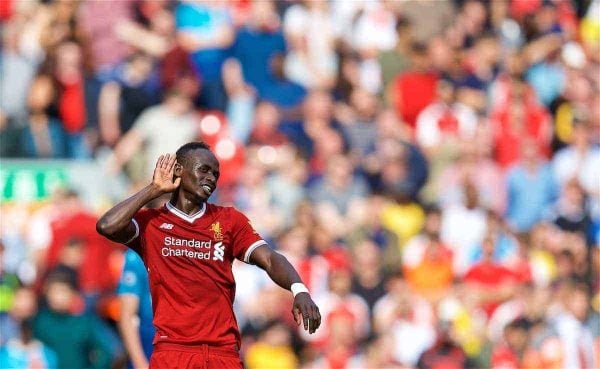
216 228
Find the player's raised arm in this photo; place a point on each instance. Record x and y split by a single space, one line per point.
283 273
116 224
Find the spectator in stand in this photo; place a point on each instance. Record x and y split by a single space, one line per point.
473 164
107 49
395 61
157 129
531 188
506 247
464 227
273 349
511 351
427 261
444 121
72 336
309 30
257 42
26 352
43 135
265 130
580 160
77 98
568 108
286 185
359 127
20 61
482 62
252 197
23 308
491 282
368 281
339 186
439 17
131 88
69 261
569 213
10 137
342 340
284 93
205 30
412 337
77 222
570 324
518 120
415 88
445 353
339 303
240 101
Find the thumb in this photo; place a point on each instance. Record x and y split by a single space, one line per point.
177 181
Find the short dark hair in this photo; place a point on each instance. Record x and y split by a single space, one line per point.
184 150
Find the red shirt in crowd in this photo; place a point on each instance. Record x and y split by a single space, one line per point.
189 259
71 106
413 92
504 358
93 275
511 129
489 276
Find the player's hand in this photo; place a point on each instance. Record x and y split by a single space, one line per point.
306 311
163 174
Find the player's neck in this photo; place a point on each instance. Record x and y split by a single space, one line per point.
187 205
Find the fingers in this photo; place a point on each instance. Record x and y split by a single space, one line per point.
297 315
171 163
310 317
160 161
165 162
305 318
316 323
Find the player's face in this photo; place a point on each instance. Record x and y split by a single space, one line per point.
199 174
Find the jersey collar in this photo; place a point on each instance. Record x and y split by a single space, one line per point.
184 216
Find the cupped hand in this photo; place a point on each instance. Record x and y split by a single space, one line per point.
163 174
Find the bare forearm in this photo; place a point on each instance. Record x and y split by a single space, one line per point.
133 344
117 219
281 271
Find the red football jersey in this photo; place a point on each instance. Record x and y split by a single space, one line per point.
189 261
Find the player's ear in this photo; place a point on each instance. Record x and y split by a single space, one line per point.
177 169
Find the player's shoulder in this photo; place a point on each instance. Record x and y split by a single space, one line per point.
151 212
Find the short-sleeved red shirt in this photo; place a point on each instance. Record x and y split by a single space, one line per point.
189 261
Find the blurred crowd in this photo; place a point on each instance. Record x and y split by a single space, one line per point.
431 168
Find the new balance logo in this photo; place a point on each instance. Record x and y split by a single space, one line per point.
166 226
219 251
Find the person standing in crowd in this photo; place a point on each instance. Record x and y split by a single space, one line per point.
135 321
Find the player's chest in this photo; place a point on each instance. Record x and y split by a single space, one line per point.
202 241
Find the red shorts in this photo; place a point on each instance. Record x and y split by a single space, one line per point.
172 356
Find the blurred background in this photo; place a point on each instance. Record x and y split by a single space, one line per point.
431 168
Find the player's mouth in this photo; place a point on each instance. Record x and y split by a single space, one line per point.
207 189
